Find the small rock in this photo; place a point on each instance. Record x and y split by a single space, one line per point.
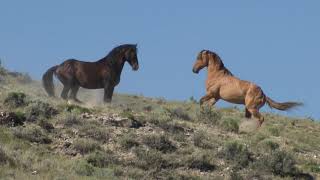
248 126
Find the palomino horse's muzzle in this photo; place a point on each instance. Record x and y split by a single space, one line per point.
195 70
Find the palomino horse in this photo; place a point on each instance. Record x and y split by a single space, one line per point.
104 73
221 84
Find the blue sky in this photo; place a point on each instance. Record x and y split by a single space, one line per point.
275 44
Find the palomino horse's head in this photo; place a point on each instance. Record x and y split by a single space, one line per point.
130 55
202 61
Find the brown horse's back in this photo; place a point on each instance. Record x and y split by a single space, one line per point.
87 74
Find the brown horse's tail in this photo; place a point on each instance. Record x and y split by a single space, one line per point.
47 81
282 106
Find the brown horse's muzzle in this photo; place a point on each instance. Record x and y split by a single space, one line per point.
135 67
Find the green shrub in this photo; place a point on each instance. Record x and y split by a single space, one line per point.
313 167
3 157
274 131
84 146
237 153
209 115
75 109
159 142
102 159
70 119
33 134
178 113
150 159
201 139
15 99
82 168
202 161
94 132
269 145
230 124
39 109
128 141
279 163
45 125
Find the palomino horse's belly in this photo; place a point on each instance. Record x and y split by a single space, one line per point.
232 95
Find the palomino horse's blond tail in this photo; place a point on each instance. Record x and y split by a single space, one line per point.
282 106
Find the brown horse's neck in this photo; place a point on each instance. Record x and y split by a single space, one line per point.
114 60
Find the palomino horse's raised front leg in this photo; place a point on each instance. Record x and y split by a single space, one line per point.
209 98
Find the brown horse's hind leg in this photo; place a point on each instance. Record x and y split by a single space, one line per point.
65 92
73 95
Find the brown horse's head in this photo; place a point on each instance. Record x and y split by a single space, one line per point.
130 55
202 61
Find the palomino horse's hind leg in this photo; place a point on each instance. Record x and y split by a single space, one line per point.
73 95
248 114
256 114
65 91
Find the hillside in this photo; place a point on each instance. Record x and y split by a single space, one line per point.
136 137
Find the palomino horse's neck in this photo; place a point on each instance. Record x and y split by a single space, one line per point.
214 71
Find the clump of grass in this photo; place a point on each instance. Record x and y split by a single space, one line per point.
85 146
94 132
150 159
279 163
274 131
102 159
269 145
129 141
13 119
15 99
32 133
159 142
201 161
230 124
75 109
237 153
70 119
201 139
83 168
178 113
209 115
3 157
46 125
313 167
39 109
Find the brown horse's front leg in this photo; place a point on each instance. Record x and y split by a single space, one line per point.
108 92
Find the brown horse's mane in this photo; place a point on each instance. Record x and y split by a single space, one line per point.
111 56
220 63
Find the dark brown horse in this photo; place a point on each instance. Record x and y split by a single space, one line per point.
104 73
